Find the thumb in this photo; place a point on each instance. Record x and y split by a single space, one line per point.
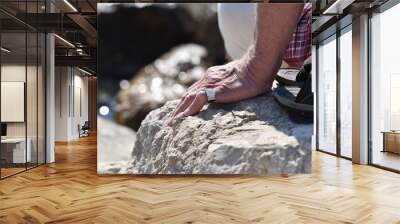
199 101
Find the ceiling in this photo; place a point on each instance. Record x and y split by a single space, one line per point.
74 22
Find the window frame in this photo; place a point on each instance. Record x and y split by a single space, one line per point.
27 29
339 32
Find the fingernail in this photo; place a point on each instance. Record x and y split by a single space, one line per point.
169 122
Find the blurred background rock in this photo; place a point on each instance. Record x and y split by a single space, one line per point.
165 79
115 143
150 53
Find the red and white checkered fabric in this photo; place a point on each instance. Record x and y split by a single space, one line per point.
299 48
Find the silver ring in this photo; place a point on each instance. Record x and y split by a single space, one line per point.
210 94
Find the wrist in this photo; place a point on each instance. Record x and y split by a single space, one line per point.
257 69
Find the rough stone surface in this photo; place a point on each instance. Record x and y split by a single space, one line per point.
254 136
114 146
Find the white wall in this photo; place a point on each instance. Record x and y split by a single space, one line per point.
14 72
33 126
17 73
61 103
71 102
80 105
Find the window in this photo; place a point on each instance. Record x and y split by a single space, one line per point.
385 89
334 106
327 95
22 78
346 75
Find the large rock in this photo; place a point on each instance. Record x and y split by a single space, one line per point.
165 79
254 136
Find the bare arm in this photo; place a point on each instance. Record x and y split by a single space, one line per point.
276 23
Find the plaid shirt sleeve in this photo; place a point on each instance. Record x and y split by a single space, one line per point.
299 48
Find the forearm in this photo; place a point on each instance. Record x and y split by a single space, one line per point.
276 23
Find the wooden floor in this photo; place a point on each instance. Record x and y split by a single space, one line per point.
70 191
387 159
9 171
5 172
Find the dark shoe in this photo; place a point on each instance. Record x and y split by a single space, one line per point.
299 102
304 74
294 77
288 76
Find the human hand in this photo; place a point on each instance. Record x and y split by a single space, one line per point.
232 82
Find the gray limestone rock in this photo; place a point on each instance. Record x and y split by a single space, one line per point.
254 136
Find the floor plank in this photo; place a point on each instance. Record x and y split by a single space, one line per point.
70 191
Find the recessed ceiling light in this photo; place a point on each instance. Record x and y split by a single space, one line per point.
64 40
70 5
5 50
337 7
84 71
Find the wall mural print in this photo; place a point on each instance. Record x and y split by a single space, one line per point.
204 88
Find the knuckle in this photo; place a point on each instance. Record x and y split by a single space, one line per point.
184 97
191 96
201 96
210 69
